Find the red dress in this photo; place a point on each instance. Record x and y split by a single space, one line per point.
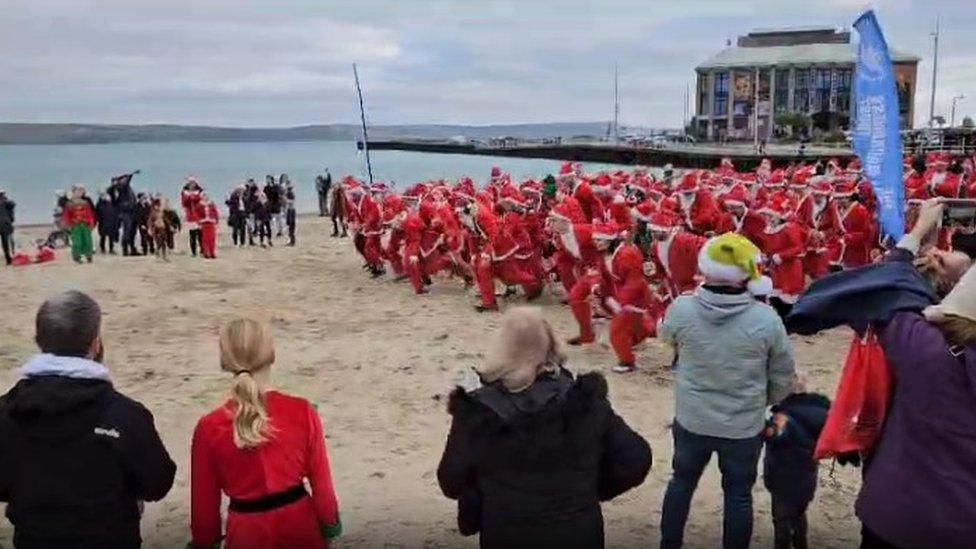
295 452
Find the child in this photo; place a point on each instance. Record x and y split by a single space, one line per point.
208 224
79 218
789 471
159 228
173 224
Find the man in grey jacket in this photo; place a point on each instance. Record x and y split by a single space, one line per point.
734 359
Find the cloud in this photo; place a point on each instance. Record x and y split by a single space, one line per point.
481 61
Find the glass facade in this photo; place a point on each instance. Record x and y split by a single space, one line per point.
721 93
781 97
801 92
821 86
844 90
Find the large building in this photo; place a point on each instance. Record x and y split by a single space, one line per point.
785 75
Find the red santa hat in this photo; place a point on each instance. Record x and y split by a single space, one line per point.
776 179
379 188
737 196
779 206
496 172
662 221
820 186
562 211
607 231
801 179
844 188
644 211
689 183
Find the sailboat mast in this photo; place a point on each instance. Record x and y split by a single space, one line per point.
616 105
362 117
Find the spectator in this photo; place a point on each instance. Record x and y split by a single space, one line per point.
533 452
250 206
322 185
291 218
173 224
734 359
338 211
126 202
144 209
789 470
107 217
192 212
919 486
76 456
237 216
272 191
259 448
79 217
262 217
7 208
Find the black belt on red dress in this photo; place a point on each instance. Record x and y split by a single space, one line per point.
269 502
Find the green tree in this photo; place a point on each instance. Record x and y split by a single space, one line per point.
795 120
967 122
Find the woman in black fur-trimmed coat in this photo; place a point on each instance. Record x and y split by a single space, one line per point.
530 467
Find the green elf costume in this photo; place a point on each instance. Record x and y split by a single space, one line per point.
79 217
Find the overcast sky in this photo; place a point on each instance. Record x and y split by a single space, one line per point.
287 62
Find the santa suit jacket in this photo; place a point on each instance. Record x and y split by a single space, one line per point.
785 246
295 453
703 215
591 205
855 223
677 259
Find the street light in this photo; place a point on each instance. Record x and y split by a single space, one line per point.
952 117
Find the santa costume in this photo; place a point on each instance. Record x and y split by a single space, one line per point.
785 247
208 228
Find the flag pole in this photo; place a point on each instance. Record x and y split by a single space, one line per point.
362 117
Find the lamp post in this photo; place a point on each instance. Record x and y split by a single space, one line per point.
952 116
935 72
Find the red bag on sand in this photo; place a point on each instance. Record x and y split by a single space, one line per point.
44 255
858 413
20 259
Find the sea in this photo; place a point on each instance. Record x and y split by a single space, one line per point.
32 174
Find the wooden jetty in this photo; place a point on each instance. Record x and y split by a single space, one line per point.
680 156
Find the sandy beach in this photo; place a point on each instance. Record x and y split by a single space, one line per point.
378 363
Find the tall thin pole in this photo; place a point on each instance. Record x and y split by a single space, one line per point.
684 121
616 106
755 111
362 117
935 72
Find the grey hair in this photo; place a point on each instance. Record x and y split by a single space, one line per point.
67 324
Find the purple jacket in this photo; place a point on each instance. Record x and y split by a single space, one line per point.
920 487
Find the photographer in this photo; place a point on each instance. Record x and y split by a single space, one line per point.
122 196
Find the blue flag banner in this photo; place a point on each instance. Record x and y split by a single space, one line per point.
877 141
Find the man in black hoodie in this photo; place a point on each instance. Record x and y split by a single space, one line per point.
76 457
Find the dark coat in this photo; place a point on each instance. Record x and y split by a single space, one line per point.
76 457
108 217
7 208
531 472
789 470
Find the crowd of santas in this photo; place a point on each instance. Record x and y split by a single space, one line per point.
621 244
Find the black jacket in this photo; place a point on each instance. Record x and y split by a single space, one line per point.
7 207
76 457
530 470
107 215
789 470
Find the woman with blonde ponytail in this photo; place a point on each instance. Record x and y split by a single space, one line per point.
266 451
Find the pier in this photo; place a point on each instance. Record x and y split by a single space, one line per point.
705 156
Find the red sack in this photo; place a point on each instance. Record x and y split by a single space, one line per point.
20 259
44 255
858 413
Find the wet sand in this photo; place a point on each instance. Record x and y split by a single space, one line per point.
378 362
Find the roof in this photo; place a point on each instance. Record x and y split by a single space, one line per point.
784 30
806 54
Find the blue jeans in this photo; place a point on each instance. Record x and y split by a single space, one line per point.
738 460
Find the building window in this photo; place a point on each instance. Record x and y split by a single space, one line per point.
821 99
781 98
801 96
703 95
721 93
843 90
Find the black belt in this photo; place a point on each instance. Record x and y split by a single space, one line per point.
269 502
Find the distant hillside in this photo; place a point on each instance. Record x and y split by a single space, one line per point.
14 133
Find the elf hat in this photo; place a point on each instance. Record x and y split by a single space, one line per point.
732 259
